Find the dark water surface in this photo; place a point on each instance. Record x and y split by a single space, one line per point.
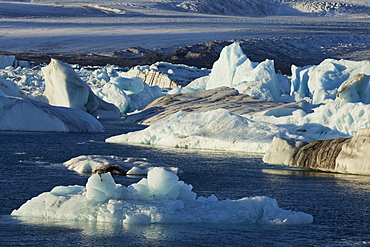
30 165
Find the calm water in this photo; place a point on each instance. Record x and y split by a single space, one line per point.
30 165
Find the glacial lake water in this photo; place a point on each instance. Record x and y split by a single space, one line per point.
31 164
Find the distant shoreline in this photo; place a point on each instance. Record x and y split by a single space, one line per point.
285 51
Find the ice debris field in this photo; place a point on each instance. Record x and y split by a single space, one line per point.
334 97
329 100
159 198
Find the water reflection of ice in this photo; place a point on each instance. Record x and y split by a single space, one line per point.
360 182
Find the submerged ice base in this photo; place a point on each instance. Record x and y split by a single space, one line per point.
159 198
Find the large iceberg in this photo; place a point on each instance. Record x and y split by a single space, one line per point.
234 69
63 87
343 80
216 129
159 198
340 155
250 132
18 114
331 120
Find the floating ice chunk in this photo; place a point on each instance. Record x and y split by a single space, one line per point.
354 156
115 165
6 61
18 114
233 69
128 94
282 151
217 129
160 198
63 87
113 94
166 75
355 89
163 184
197 85
322 82
129 85
100 187
299 81
10 88
328 121
140 100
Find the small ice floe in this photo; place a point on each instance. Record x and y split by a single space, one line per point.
114 164
159 198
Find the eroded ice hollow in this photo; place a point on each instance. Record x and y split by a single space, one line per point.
159 198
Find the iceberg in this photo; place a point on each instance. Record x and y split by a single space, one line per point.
63 87
216 129
327 121
166 75
113 94
233 69
6 61
355 89
340 155
18 114
115 165
160 198
354 156
9 88
322 82
127 93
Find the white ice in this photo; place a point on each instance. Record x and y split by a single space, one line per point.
330 120
235 70
18 114
6 61
159 198
217 129
166 75
324 81
63 87
9 88
131 166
